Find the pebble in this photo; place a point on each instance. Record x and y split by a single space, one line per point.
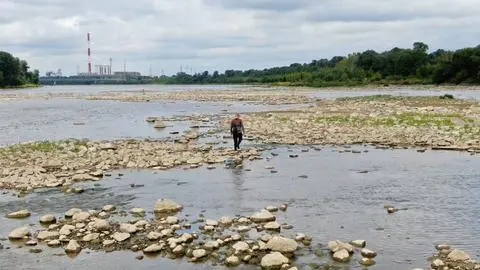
262 216
367 253
199 253
367 262
19 214
359 243
73 247
341 256
35 250
154 248
232 261
274 260
48 219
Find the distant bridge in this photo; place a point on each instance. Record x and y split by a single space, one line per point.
86 80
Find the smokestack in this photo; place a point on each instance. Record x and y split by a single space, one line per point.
110 68
89 55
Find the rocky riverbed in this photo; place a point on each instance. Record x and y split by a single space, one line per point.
380 120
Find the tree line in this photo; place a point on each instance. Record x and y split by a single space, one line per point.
15 72
397 66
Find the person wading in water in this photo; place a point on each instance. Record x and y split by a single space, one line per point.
237 130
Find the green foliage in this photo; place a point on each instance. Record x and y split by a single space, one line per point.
396 66
41 146
15 72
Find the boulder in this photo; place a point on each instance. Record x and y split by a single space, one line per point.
458 255
107 243
272 226
138 211
178 251
282 244
367 262
47 235
199 253
101 225
155 248
274 260
262 216
54 243
73 247
241 247
66 229
120 237
128 228
167 206
19 233
81 217
210 245
367 253
48 219
19 214
109 208
271 208
359 243
171 220
71 212
335 246
437 264
232 261
341 256
153 236
226 221
211 222
90 237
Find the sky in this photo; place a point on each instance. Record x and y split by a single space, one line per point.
166 36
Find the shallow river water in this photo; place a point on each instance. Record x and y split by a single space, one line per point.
438 190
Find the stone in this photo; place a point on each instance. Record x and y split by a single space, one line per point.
19 233
138 211
120 237
232 261
171 220
210 245
282 244
154 248
442 246
141 223
300 237
341 256
159 124
35 250
335 246
359 243
81 217
244 220
266 237
391 210
109 208
283 207
226 221
367 262
437 264
47 235
54 243
153 236
127 228
107 146
262 216
274 260
211 222
101 225
243 229
458 255
107 243
167 206
31 243
66 229
199 253
80 226
367 253
271 208
241 247
272 226
48 219
90 237
19 214
178 250
73 247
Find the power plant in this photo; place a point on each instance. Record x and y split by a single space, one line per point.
103 74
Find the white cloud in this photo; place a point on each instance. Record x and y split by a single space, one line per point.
222 34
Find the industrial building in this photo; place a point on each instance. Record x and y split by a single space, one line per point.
103 74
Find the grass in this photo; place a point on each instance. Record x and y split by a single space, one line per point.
41 146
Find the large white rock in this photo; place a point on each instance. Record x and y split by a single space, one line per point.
19 233
81 217
226 221
120 237
359 243
171 220
138 211
274 260
336 245
128 228
90 237
241 247
272 226
341 256
47 235
367 253
48 219
19 214
199 253
167 206
101 225
262 216
66 229
71 212
154 248
282 244
109 208
73 247
232 261
211 222
154 236
458 255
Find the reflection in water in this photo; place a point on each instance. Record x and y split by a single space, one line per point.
238 180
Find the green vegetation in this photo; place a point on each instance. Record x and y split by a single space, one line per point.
15 72
396 66
41 146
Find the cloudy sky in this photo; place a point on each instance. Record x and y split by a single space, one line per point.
224 34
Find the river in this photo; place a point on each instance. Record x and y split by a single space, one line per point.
438 190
